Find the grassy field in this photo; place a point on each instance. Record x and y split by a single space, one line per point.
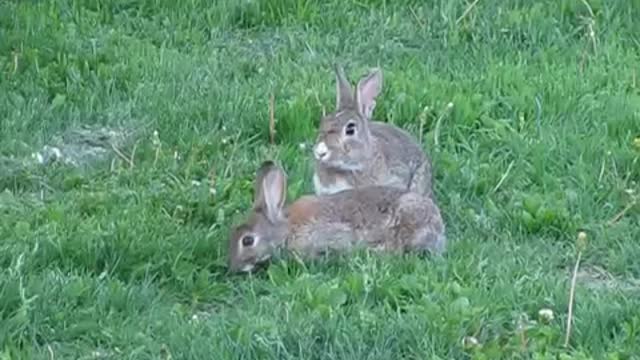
127 259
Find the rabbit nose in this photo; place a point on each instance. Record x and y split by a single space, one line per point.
321 151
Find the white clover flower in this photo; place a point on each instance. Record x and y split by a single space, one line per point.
545 315
156 138
469 342
39 158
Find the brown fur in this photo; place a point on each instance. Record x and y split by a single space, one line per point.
302 211
379 217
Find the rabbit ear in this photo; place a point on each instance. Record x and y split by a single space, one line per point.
369 88
271 188
344 92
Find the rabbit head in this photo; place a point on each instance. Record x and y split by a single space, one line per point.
253 242
344 139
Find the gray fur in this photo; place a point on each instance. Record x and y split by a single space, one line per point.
378 217
379 154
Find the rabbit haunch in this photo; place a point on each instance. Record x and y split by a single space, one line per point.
353 151
379 217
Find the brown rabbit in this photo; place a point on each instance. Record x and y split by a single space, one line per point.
353 151
384 218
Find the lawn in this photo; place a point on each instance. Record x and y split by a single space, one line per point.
529 109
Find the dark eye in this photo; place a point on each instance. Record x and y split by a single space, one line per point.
350 129
247 240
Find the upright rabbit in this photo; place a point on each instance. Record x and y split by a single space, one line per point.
384 218
352 150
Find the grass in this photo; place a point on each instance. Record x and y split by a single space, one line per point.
128 262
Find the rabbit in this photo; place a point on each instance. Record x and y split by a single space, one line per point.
351 150
379 217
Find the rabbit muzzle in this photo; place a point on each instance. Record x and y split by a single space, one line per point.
321 151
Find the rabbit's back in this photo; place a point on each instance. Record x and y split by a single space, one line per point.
405 159
380 217
399 145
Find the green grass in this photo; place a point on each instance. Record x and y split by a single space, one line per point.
129 262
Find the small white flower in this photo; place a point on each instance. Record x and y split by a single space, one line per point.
155 140
302 146
545 315
56 152
582 236
195 182
469 342
38 157
450 105
212 191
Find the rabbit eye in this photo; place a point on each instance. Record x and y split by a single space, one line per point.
350 129
248 240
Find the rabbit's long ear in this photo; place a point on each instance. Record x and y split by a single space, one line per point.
271 190
344 92
369 88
